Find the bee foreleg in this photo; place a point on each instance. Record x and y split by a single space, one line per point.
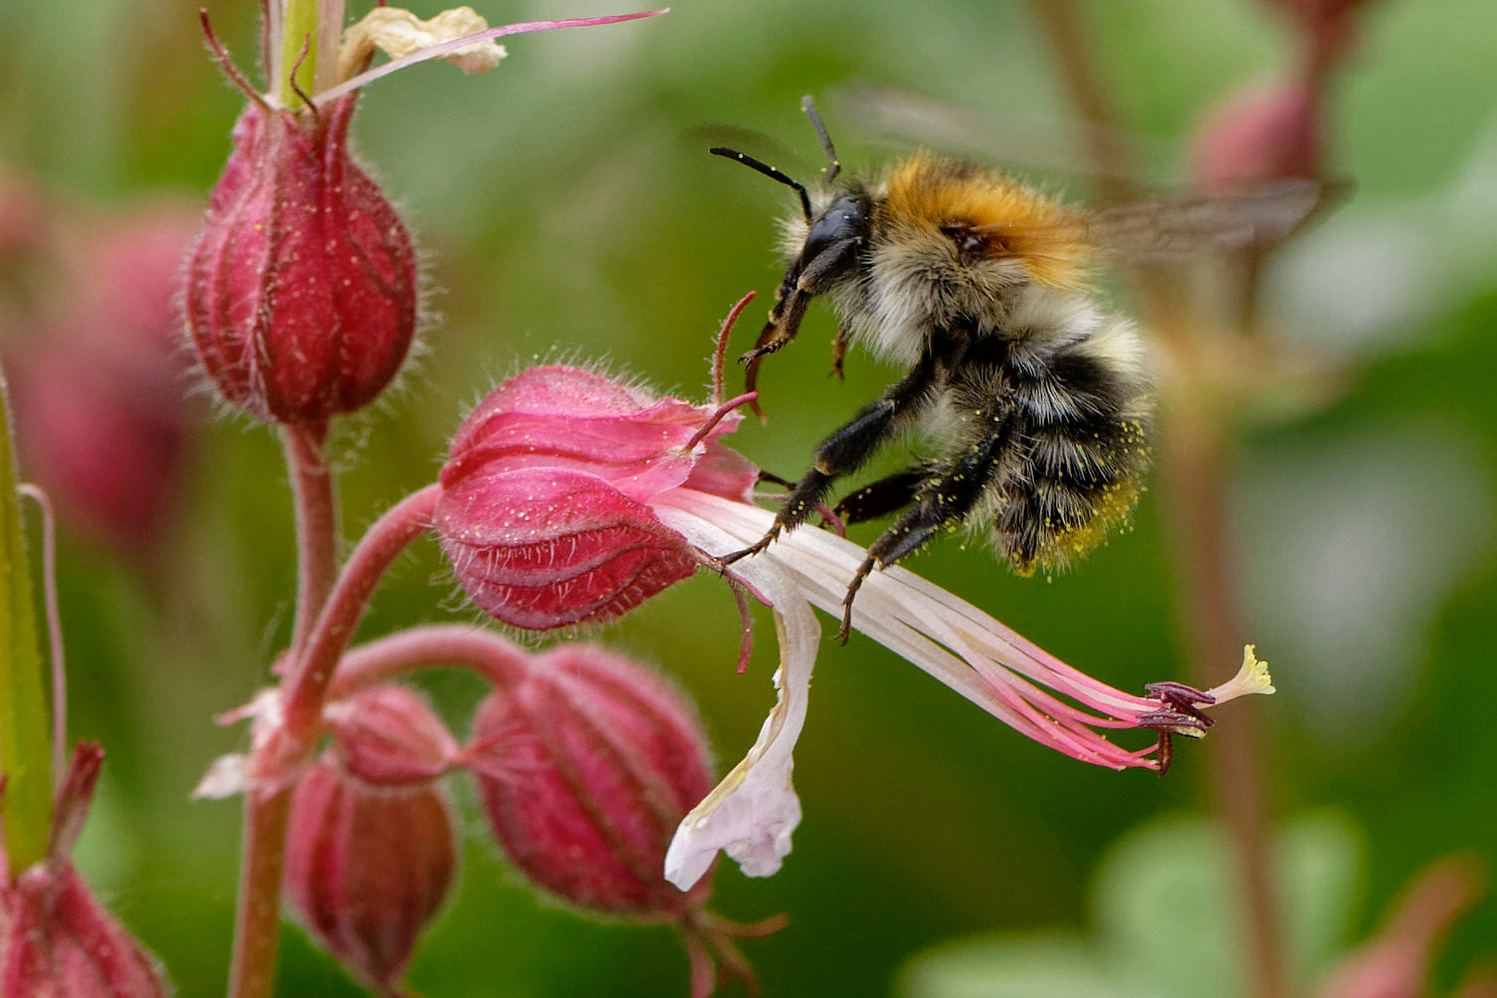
849 447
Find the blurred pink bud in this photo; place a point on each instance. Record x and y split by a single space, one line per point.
387 735
546 512
301 292
56 940
98 380
1395 963
366 868
586 766
1263 132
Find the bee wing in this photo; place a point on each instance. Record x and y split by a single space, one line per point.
1163 229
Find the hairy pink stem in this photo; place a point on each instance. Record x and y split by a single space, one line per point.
316 525
497 658
307 686
257 922
267 807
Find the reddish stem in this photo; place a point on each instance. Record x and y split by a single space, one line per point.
267 805
498 659
261 865
1192 467
307 686
316 525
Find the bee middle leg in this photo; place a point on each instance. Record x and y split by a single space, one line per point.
944 496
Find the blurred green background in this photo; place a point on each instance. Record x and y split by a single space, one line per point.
568 209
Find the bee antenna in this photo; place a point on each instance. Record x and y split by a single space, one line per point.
809 106
770 172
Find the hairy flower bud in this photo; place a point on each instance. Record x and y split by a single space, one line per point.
585 768
56 940
386 735
301 292
546 510
367 867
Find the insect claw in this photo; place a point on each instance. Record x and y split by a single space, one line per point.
752 549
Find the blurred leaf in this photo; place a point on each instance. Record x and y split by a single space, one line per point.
1166 909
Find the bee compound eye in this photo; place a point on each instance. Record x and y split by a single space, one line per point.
846 218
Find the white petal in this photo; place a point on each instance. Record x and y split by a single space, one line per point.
227 775
751 814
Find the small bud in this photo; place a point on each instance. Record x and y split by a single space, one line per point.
96 373
301 291
366 868
59 942
387 735
56 940
546 512
1261 133
585 768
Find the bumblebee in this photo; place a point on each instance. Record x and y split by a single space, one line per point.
979 285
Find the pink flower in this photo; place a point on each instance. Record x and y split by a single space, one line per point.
546 511
387 736
56 940
302 290
569 497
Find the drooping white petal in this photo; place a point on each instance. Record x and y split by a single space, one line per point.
751 814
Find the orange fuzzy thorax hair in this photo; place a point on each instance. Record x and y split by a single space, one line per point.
928 192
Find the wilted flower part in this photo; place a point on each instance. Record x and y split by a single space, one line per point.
548 492
367 867
585 767
56 940
387 736
302 289
399 33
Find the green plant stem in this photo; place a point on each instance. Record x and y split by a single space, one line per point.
25 735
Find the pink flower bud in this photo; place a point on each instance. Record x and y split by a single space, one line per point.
585 768
547 512
97 372
366 868
56 940
386 735
1263 132
301 291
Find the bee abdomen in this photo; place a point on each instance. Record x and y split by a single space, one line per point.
1082 422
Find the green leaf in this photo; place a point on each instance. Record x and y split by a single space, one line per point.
1167 913
25 743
